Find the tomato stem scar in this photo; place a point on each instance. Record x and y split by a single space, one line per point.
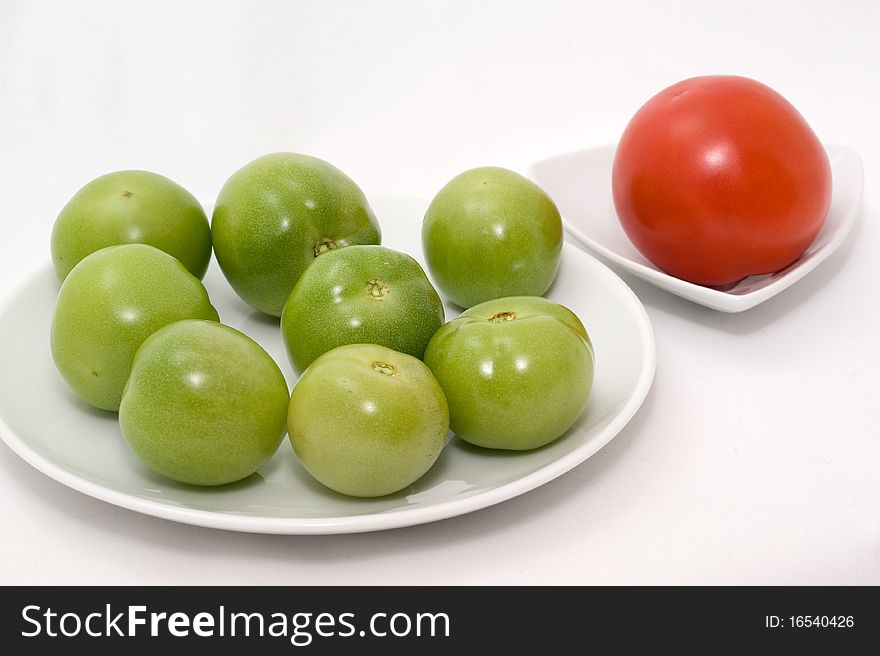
502 316
384 368
376 289
323 246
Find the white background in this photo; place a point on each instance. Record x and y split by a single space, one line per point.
755 457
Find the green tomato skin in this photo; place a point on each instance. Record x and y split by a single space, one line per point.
108 305
360 295
205 404
491 233
132 207
367 421
513 382
272 217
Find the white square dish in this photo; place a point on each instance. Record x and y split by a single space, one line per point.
580 184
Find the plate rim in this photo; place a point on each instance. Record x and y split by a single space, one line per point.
373 521
706 296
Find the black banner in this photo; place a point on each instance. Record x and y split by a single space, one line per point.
434 620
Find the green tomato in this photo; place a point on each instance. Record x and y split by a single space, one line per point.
360 295
491 233
204 405
132 207
275 215
108 305
516 371
367 421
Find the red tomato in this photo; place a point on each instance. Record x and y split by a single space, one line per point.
718 178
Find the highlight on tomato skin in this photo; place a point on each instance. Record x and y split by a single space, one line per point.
718 178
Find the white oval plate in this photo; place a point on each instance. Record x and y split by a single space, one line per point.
580 183
44 423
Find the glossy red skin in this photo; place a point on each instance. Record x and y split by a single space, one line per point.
717 178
